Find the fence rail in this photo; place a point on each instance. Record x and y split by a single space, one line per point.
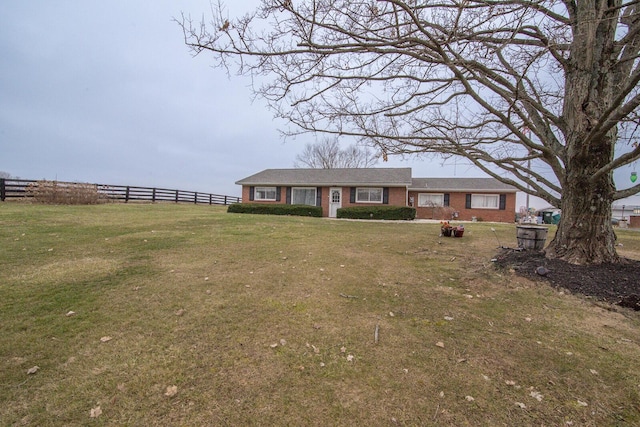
17 188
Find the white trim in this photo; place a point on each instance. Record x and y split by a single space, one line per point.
334 205
369 191
430 205
497 196
265 190
315 194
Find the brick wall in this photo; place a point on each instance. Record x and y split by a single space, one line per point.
246 198
457 202
397 197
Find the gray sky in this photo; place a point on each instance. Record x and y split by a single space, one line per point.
107 92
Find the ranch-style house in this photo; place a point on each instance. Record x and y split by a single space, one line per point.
434 198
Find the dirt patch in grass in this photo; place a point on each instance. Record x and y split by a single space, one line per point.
613 283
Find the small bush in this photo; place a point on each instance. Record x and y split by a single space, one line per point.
377 212
268 209
64 193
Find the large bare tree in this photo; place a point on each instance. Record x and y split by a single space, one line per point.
539 94
327 154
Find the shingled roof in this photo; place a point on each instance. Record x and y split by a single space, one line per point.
460 184
387 177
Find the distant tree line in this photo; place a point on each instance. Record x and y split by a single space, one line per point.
6 175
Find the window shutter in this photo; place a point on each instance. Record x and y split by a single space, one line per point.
288 201
385 196
319 196
503 202
445 202
278 194
468 202
352 197
252 191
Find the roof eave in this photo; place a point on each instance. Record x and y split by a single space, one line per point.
459 190
326 184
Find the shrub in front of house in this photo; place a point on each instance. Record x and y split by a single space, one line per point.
264 209
377 212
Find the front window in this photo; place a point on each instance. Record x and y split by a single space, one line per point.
430 200
485 201
370 195
303 196
265 193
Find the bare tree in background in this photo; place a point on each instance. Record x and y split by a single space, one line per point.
327 154
5 175
540 94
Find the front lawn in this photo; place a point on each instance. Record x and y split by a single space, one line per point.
188 315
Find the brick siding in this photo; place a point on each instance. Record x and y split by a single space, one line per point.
398 197
457 203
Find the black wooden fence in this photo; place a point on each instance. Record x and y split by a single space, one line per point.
17 188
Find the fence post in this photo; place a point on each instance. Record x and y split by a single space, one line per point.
113 192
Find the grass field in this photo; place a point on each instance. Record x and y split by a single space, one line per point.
188 315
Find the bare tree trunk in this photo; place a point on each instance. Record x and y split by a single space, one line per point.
585 234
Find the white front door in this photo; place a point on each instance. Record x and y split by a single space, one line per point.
335 201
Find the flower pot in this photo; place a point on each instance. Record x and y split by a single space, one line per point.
531 236
446 231
458 233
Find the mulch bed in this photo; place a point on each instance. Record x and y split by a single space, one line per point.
613 283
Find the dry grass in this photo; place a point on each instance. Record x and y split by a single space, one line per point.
261 320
